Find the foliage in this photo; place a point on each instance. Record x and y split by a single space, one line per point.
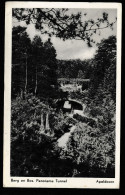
62 23
74 68
34 65
104 70
91 152
91 122
85 86
60 123
20 51
80 74
32 153
91 147
26 115
44 61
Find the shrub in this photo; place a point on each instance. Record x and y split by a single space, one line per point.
92 152
31 151
91 122
60 123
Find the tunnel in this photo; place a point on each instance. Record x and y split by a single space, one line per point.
73 105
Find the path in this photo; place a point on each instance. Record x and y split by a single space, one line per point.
62 141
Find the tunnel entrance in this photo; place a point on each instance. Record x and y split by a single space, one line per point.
69 105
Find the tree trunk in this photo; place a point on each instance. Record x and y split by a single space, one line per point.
36 81
42 125
47 122
26 74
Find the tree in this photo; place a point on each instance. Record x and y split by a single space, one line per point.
70 68
31 150
47 78
62 24
37 61
91 151
33 65
20 52
81 74
50 57
104 70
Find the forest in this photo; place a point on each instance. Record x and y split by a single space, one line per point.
90 150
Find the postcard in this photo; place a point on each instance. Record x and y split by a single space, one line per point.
62 95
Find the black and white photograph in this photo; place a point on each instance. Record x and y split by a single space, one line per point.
62 95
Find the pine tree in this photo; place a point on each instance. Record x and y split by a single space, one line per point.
20 54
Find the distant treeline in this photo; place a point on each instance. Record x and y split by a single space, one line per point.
74 68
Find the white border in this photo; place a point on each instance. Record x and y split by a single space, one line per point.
71 182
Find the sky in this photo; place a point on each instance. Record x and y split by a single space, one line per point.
76 49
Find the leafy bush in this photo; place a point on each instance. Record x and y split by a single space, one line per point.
92 152
60 123
31 151
91 122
